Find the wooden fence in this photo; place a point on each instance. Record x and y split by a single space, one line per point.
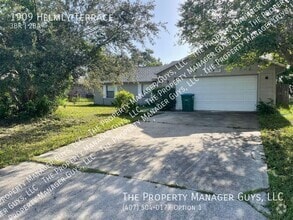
283 94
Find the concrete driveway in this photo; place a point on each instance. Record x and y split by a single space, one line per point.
173 153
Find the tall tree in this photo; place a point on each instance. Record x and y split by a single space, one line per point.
145 58
45 44
226 24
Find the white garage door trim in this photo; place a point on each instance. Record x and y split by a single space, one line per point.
229 93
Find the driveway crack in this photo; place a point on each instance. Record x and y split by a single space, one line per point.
267 215
83 169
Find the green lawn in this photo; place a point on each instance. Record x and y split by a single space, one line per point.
277 136
23 140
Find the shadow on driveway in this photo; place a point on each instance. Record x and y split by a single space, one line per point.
214 152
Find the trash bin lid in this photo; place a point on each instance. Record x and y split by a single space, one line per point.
187 94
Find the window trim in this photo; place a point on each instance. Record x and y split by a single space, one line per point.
145 95
107 90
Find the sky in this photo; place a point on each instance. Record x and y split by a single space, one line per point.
167 47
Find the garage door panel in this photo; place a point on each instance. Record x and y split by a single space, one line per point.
233 93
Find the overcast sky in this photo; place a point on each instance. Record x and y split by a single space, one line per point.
167 47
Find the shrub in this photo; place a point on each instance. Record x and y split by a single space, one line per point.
62 101
45 106
163 93
73 98
266 108
124 99
30 109
6 106
89 96
39 107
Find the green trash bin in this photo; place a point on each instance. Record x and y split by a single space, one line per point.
187 102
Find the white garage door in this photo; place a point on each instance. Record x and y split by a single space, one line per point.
229 93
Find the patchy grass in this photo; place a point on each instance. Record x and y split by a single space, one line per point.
277 136
20 141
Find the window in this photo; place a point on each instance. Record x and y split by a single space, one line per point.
110 91
143 89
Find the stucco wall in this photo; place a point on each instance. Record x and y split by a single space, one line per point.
133 88
99 100
98 96
130 87
266 80
267 87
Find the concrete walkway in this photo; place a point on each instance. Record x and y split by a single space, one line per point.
175 166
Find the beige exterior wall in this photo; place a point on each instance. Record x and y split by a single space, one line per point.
267 87
130 87
266 78
99 98
134 88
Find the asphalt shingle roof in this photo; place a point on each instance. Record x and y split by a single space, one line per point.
145 74
149 74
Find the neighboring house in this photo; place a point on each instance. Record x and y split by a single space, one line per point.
78 89
219 90
81 91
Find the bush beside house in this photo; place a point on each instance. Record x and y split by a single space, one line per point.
124 99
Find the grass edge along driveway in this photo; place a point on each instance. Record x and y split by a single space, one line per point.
21 141
277 138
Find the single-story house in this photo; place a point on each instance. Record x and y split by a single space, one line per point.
143 77
213 87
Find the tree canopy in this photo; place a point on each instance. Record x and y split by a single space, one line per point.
44 45
145 58
263 26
